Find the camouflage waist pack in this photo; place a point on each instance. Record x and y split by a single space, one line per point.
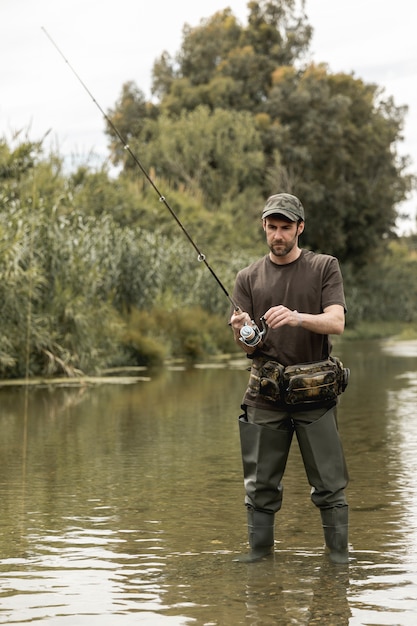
305 383
321 381
265 380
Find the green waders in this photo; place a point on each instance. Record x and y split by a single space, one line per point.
325 466
264 456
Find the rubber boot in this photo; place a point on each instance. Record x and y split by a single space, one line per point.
261 536
335 528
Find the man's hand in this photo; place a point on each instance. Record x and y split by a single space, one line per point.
237 321
330 322
280 315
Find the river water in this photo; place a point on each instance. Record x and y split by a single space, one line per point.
123 504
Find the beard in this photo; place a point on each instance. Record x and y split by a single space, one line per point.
281 249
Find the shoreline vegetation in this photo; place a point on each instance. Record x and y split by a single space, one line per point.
389 331
128 375
94 274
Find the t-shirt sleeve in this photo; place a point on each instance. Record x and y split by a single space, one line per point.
333 292
241 293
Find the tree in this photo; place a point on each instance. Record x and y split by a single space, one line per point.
223 64
216 154
375 292
330 139
128 116
336 137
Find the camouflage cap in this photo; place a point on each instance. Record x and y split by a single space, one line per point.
284 204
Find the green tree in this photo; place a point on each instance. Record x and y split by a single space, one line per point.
216 154
329 138
336 138
386 290
223 64
129 116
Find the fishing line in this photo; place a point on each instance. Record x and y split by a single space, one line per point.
200 256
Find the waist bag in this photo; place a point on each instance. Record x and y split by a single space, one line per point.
315 382
266 380
321 381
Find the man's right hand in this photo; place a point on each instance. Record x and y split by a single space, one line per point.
237 321
239 318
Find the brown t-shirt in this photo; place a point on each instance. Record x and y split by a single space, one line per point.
309 285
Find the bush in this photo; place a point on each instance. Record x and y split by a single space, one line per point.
191 334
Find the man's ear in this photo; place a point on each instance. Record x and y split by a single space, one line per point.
300 228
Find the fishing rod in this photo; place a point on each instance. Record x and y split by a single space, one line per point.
250 334
200 256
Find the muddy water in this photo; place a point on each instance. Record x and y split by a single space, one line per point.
123 504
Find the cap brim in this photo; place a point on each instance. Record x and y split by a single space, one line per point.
287 214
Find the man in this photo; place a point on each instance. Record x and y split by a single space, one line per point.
289 302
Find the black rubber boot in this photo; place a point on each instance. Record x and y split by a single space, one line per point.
261 536
335 527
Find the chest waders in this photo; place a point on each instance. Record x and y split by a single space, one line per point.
265 452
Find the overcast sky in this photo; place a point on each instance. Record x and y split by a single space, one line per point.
109 42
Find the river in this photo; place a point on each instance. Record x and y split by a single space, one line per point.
123 504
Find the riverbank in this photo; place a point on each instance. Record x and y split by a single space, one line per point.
395 331
389 331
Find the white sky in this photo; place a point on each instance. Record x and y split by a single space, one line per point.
109 42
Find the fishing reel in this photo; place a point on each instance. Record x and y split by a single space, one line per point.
251 335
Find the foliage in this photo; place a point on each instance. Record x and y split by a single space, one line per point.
70 280
94 269
241 114
187 332
128 118
143 342
385 291
195 150
49 290
222 64
337 152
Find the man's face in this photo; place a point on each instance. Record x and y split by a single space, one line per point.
281 235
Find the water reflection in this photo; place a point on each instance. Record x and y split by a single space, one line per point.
124 505
383 575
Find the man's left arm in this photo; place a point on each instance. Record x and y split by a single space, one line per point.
330 322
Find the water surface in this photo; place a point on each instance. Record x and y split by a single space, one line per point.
123 504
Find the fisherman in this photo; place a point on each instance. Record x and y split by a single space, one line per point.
294 381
